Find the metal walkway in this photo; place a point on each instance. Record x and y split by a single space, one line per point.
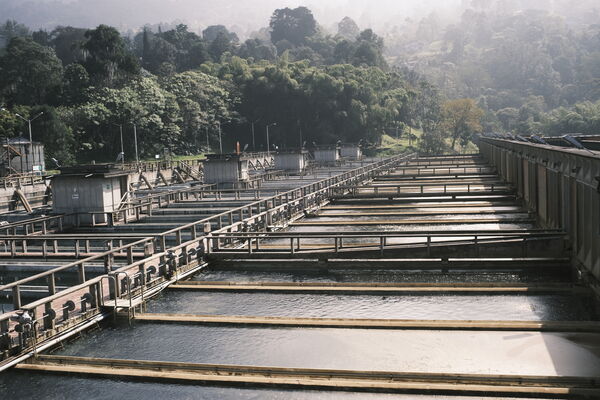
403 228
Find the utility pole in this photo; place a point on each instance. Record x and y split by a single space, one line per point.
220 138
253 143
121 133
137 158
207 141
30 135
253 136
268 145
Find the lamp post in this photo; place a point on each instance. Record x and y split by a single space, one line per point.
253 141
121 132
29 124
220 138
30 135
207 141
268 145
137 158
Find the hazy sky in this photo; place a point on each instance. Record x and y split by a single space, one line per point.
244 15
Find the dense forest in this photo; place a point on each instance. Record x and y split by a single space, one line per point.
182 89
532 71
489 69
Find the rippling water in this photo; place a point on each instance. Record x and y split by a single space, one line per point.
439 217
19 385
408 228
524 353
381 275
459 307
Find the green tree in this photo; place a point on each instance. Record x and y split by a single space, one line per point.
257 50
212 32
107 58
56 136
348 29
461 118
66 42
220 46
29 73
203 101
141 101
433 143
12 29
75 84
294 25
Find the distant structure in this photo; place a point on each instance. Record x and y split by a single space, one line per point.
225 169
88 189
327 154
351 151
19 156
292 161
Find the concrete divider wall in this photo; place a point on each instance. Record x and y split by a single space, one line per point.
35 194
561 185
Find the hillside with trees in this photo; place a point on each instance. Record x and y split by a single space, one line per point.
534 68
523 67
180 88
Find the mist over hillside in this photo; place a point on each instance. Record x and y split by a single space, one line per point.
245 17
239 15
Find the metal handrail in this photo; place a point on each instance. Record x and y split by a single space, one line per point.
266 209
74 264
383 240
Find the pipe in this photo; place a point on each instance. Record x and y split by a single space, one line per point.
54 341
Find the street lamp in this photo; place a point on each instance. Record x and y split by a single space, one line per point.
268 145
207 141
253 142
29 124
137 158
220 138
30 135
121 132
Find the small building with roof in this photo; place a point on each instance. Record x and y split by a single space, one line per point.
84 189
19 156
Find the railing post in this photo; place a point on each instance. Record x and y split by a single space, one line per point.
81 272
16 295
130 255
428 245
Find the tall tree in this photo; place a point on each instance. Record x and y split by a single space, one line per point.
75 84
29 72
219 46
56 136
293 25
461 118
210 33
348 29
11 29
107 59
67 42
